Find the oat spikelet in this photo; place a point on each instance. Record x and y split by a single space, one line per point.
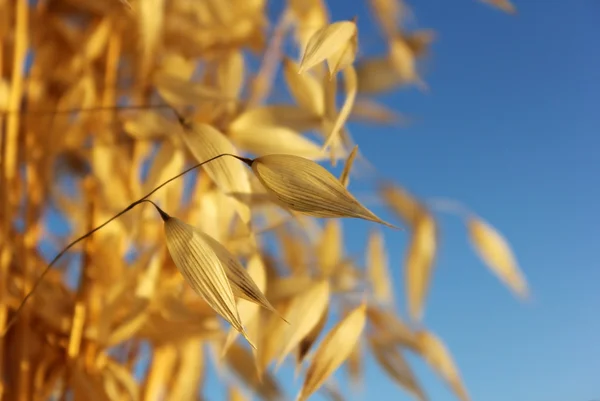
202 269
493 249
326 42
333 351
306 187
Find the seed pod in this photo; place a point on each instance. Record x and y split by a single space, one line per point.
201 267
241 282
306 187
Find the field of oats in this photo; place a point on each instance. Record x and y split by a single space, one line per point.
105 104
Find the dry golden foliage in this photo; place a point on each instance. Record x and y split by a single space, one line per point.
305 88
393 363
351 86
315 299
496 253
249 311
389 15
205 142
335 348
435 353
202 267
100 107
377 268
504 5
421 249
420 263
345 177
335 43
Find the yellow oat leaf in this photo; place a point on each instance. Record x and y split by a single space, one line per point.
419 264
281 288
390 328
148 125
351 86
124 377
151 15
403 203
180 91
201 268
230 74
333 351
206 142
305 88
370 111
249 310
4 95
307 342
168 162
242 284
273 337
325 42
330 248
330 86
110 174
241 362
392 361
377 75
504 5
404 62
306 187
343 57
493 249
215 211
190 371
377 268
178 65
288 116
345 176
419 41
235 394
284 140
295 252
133 322
355 363
389 14
304 313
434 352
330 118
96 42
311 15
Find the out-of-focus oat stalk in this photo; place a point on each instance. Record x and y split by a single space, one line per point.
262 82
8 159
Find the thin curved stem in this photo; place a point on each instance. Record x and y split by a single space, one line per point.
122 212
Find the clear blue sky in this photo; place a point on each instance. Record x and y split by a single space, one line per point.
509 128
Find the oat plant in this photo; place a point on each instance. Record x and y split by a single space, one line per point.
235 254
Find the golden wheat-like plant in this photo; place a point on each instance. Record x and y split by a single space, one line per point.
142 125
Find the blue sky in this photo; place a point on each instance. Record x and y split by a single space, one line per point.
509 129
